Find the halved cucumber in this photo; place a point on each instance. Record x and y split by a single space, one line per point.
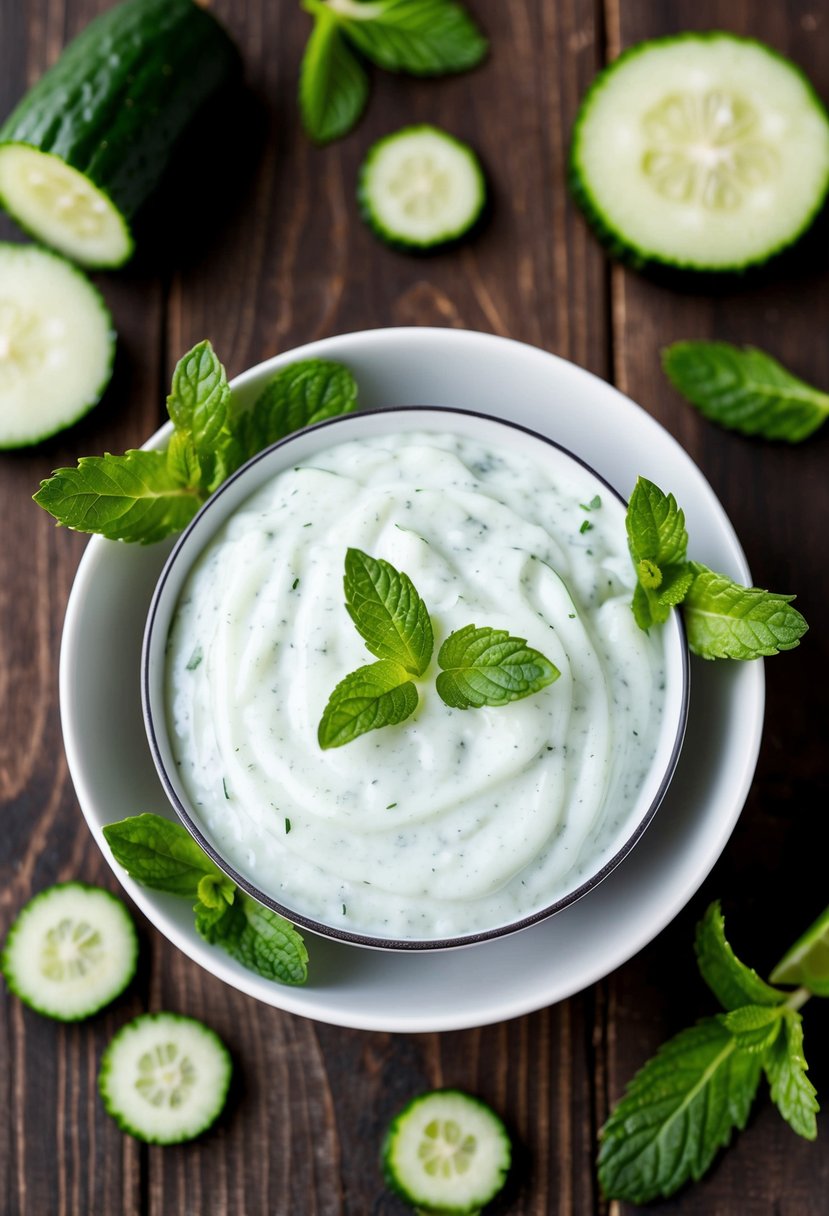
71 951
701 151
447 1152
420 187
91 140
56 345
164 1077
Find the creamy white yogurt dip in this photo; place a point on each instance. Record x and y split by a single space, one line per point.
453 822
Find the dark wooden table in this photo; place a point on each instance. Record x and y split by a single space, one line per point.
285 259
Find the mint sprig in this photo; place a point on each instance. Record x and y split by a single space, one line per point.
479 666
723 620
144 496
746 390
164 856
483 666
419 37
683 1106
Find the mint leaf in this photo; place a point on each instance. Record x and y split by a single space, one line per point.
372 697
333 85
422 37
677 1112
658 542
726 621
133 497
298 395
732 982
676 580
216 892
161 854
390 616
745 390
483 666
198 407
655 526
257 938
791 1090
755 1027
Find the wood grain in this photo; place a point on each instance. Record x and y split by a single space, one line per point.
275 255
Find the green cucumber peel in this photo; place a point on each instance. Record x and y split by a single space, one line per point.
144 496
480 666
723 619
684 1105
162 855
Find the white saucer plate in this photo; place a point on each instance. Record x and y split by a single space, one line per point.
114 776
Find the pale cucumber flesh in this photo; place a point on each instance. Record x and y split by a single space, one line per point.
706 151
61 207
164 1077
421 187
56 345
71 951
447 1152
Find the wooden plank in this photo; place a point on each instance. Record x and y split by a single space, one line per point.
59 1152
771 877
296 263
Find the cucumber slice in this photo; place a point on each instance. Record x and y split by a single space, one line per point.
702 151
62 207
56 345
447 1152
72 950
164 1077
92 139
420 188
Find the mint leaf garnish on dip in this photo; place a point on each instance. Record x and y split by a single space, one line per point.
489 667
480 666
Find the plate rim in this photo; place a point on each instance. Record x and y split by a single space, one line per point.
289 999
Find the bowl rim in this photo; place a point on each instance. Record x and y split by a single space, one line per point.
151 649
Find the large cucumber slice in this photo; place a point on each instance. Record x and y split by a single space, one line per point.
703 151
164 1077
447 1152
56 345
90 141
71 951
420 188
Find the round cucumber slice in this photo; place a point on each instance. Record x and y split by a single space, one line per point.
56 345
72 950
447 1152
420 188
62 207
164 1077
702 151
807 963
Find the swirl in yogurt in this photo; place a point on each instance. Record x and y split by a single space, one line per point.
453 822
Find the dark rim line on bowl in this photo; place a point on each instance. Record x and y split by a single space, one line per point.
331 931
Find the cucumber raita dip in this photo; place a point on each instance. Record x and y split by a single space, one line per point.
454 821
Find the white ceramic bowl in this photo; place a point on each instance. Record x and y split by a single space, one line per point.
302 447
114 776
